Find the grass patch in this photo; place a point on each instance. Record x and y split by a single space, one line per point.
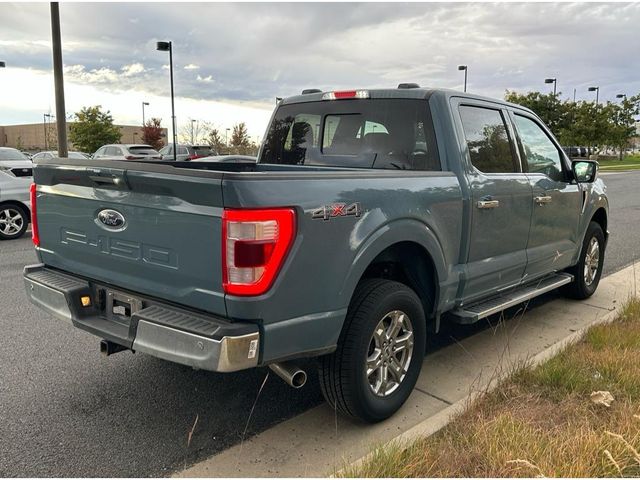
541 421
629 162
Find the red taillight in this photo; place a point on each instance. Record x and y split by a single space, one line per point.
193 157
35 236
255 244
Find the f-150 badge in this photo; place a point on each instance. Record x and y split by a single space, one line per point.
327 212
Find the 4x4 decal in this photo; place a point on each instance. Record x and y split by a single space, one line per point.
327 212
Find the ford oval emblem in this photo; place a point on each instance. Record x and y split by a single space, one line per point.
111 219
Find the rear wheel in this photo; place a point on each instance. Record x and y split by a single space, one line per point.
380 352
14 221
588 270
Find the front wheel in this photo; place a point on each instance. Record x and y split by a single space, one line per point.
588 270
14 221
380 352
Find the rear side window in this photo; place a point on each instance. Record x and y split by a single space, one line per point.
376 133
113 151
486 135
540 154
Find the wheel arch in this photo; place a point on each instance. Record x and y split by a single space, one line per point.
407 251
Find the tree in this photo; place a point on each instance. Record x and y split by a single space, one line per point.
195 132
92 129
215 141
240 143
152 133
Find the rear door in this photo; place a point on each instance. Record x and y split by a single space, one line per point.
557 202
501 200
147 228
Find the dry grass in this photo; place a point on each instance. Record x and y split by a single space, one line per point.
541 421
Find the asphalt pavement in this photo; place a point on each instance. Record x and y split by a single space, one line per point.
67 411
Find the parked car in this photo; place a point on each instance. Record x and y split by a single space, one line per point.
126 152
54 154
15 179
187 152
371 218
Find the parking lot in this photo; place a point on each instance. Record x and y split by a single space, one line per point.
65 410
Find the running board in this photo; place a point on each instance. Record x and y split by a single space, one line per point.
477 311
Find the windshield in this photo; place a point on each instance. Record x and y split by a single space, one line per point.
377 133
12 154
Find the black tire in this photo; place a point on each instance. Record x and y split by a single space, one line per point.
343 378
10 233
580 288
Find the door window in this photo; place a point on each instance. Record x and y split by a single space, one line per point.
113 151
539 152
487 139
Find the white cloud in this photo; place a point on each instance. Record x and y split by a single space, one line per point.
133 69
191 66
207 79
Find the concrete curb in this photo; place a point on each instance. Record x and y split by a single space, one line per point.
441 419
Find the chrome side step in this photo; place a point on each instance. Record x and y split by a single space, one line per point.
477 311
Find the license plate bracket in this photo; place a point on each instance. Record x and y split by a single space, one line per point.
121 306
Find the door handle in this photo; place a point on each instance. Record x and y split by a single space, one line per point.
486 204
542 200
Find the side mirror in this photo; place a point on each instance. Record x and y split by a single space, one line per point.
584 171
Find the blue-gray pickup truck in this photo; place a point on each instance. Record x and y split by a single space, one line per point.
370 218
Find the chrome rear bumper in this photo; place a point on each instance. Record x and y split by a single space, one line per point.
162 330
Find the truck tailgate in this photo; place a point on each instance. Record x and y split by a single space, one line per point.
152 229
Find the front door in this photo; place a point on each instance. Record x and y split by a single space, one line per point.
501 202
556 201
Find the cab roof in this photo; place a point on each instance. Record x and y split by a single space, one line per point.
410 93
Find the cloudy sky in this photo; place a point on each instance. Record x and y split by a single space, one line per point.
232 60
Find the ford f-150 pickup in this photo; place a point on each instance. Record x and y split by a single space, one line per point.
370 218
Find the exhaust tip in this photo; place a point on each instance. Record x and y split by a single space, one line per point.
290 373
299 379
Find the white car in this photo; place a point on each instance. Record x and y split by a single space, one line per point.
16 175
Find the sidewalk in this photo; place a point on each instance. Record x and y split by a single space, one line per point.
318 442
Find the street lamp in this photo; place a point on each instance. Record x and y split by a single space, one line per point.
554 81
143 104
597 90
168 47
45 117
2 64
192 140
226 137
622 95
464 67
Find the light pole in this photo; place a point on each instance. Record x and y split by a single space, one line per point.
192 140
168 47
597 90
554 81
621 96
58 79
45 118
226 137
466 69
143 105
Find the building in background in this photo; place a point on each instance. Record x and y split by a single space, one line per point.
36 137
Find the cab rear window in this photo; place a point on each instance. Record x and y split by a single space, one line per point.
375 133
